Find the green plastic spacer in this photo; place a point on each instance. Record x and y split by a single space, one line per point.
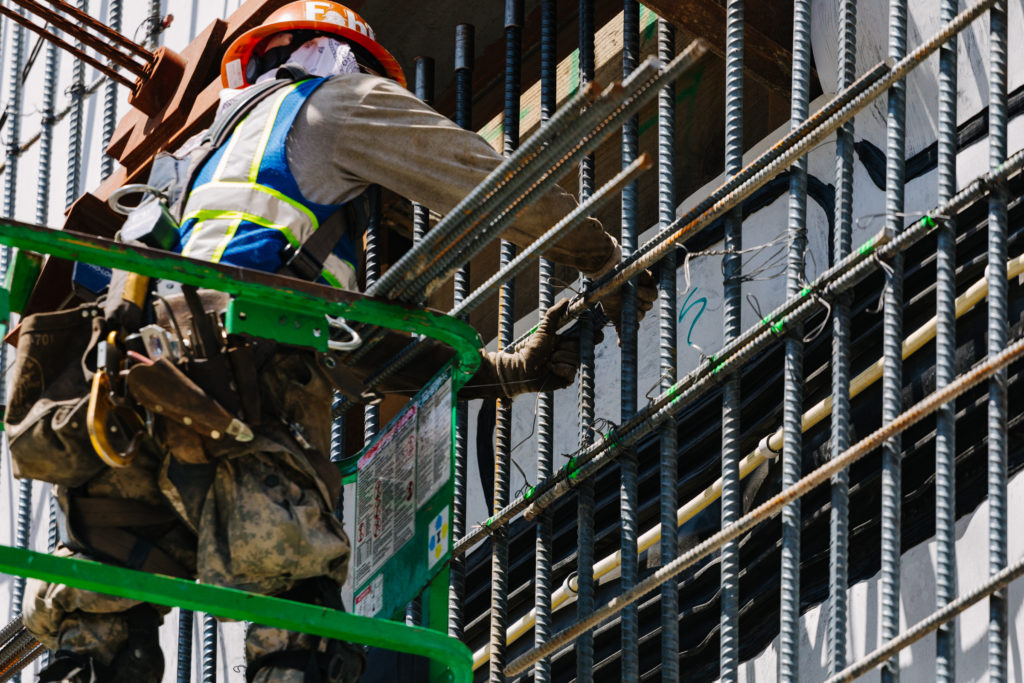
928 222
805 291
866 247
777 327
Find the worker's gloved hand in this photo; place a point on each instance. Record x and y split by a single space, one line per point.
544 362
646 295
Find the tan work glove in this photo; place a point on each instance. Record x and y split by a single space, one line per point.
646 295
544 362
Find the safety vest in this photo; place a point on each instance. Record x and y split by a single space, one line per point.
245 207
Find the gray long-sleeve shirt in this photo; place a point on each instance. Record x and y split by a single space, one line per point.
357 130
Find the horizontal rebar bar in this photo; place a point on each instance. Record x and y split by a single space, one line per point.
931 623
769 508
107 31
31 653
839 279
10 630
99 43
653 250
81 54
575 218
437 259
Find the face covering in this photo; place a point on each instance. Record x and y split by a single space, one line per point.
322 56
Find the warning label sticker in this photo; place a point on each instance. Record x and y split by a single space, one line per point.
371 599
385 497
435 440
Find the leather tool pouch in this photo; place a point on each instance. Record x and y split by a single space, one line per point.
46 418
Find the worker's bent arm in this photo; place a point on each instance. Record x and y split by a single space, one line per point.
358 130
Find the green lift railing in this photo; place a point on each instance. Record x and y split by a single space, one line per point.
289 311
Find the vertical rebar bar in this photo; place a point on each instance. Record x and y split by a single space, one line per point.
423 86
945 356
15 94
585 399
209 649
77 93
629 467
731 328
669 497
998 333
840 425
186 620
154 27
892 344
110 96
506 335
545 400
464 54
792 445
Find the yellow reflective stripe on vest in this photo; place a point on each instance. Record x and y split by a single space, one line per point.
213 230
340 273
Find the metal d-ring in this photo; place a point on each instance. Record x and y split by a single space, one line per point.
353 343
114 201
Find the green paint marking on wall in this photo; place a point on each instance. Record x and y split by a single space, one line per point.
523 113
492 134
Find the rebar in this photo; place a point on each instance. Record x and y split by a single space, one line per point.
933 622
506 320
78 50
652 251
545 400
424 88
186 621
892 336
17 654
464 56
833 282
669 494
111 32
76 90
585 392
998 333
839 435
903 421
209 670
945 357
108 163
731 328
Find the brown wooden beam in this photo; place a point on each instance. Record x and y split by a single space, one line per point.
765 58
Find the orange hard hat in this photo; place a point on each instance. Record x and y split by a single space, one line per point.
324 17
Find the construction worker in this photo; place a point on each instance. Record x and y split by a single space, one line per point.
257 514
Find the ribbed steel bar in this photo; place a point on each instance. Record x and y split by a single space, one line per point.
769 508
80 31
506 321
78 50
793 372
725 199
826 287
209 669
840 422
423 84
569 222
108 163
669 494
186 622
549 154
76 92
45 168
464 57
934 622
15 95
731 328
153 23
998 332
111 32
33 653
629 503
945 357
892 338
545 400
585 392
17 655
